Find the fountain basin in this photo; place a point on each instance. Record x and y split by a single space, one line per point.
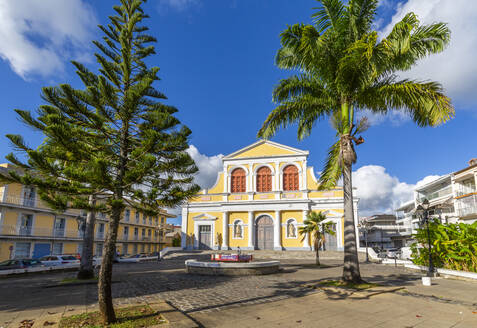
232 268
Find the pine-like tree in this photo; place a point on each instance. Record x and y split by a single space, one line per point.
119 142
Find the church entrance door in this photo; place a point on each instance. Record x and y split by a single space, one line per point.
264 233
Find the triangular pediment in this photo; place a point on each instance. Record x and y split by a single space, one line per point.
266 148
204 217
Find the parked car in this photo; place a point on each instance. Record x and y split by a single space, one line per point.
393 253
54 260
19 264
136 256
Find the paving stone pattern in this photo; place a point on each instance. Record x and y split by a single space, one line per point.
195 293
32 296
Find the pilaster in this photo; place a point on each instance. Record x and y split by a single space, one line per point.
277 227
306 241
225 231
251 230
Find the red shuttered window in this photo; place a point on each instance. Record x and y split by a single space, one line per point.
237 180
290 178
264 179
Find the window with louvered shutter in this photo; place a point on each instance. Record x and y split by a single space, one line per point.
237 180
264 179
290 178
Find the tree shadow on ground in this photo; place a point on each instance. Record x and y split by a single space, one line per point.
191 293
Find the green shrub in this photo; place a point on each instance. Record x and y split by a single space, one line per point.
454 246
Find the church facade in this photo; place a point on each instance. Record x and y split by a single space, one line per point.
259 201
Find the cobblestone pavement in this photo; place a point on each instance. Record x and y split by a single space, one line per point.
28 297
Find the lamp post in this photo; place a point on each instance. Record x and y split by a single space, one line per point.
81 221
423 211
364 224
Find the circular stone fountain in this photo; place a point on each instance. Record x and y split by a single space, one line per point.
231 268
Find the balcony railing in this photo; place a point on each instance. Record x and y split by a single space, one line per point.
466 211
467 205
26 202
24 231
59 232
100 235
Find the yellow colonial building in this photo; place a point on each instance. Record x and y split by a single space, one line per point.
259 201
29 228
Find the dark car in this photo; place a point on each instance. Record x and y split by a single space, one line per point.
19 264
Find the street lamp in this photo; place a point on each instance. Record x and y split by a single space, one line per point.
364 224
423 211
81 221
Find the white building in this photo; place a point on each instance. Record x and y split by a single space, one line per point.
452 198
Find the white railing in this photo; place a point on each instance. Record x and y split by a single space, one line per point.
467 205
11 230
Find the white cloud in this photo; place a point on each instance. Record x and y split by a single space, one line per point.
178 5
379 192
455 67
37 37
209 167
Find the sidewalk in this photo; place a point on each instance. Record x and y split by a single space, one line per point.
319 310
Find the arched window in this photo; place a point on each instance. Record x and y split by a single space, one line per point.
290 178
291 229
237 180
238 229
264 179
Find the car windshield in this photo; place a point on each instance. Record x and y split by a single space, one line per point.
7 262
69 258
31 262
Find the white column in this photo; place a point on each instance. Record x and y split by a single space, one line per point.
225 231
277 240
184 227
356 220
306 241
251 230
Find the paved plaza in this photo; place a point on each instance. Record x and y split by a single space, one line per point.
284 299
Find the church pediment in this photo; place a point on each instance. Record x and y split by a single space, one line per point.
204 217
266 148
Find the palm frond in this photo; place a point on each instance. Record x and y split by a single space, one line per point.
333 168
360 16
408 42
328 15
292 111
425 101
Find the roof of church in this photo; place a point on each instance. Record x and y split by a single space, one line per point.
266 148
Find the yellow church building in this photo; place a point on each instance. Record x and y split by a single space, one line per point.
259 201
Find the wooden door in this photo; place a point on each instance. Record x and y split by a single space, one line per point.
264 233
205 237
331 241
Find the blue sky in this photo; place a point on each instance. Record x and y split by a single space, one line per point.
217 66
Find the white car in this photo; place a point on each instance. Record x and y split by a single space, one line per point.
393 253
54 260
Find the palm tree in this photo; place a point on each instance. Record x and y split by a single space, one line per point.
345 68
316 229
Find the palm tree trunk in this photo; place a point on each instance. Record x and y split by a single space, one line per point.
317 250
351 264
105 298
86 270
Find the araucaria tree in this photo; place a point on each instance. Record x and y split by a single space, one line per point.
344 69
315 228
119 140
